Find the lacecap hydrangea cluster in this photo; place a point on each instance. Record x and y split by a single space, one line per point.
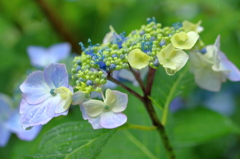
47 94
151 45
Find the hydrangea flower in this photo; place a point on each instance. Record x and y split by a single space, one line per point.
107 113
41 57
138 59
10 123
46 94
5 111
184 40
14 125
212 67
192 27
172 59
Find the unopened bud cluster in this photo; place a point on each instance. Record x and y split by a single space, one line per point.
96 63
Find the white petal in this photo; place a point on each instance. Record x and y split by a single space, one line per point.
110 36
93 107
192 39
35 90
180 59
110 97
217 42
121 102
112 120
200 29
63 105
208 79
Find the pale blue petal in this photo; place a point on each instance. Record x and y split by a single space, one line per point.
59 51
39 56
95 122
56 75
40 114
234 73
120 103
112 120
84 113
110 85
127 75
14 125
4 135
96 95
35 90
5 107
78 98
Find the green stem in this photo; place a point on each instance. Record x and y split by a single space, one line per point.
150 109
170 96
153 115
160 128
110 78
137 77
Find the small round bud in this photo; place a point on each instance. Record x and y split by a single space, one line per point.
89 83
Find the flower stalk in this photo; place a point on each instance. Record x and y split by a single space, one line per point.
150 109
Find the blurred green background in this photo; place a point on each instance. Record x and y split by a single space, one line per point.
44 23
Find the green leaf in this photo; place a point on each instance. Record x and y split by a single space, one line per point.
192 127
166 88
73 140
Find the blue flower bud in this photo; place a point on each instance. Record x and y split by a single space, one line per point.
163 42
203 50
142 32
102 65
114 55
89 82
112 66
156 63
152 38
149 20
122 56
177 25
81 80
78 68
